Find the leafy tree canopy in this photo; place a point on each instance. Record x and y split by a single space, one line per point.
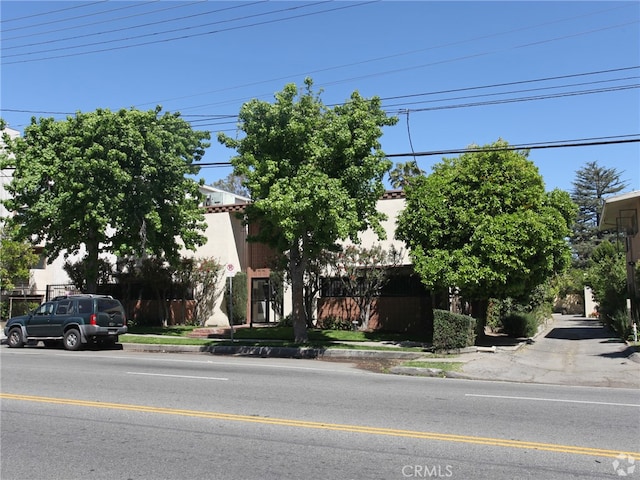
127 170
16 260
314 174
402 173
591 186
232 183
483 222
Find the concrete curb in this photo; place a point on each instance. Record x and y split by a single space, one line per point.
276 352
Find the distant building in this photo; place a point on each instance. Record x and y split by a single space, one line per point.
620 214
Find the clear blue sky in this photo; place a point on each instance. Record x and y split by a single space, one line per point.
456 73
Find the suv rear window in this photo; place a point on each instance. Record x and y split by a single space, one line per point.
108 305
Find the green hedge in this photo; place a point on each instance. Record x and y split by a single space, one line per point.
520 325
453 331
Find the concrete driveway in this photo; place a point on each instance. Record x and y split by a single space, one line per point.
572 350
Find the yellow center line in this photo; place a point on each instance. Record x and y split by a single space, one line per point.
446 437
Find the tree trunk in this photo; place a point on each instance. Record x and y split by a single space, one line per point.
92 264
479 310
296 268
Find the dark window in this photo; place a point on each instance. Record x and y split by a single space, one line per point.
84 305
108 305
397 286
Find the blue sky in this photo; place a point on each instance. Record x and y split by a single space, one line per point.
455 73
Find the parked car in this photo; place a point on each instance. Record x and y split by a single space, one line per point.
73 319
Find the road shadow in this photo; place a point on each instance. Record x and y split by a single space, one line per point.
584 329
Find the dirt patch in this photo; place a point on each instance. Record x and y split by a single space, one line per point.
377 365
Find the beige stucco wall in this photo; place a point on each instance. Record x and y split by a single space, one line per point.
226 237
391 208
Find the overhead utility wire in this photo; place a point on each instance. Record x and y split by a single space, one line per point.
168 20
212 32
526 99
518 82
525 146
205 122
52 11
60 20
109 20
173 30
510 92
471 56
404 111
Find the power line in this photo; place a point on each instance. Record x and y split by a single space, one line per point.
169 20
591 142
50 12
583 142
219 119
66 29
183 37
60 20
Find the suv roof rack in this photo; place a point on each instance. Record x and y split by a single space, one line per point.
80 295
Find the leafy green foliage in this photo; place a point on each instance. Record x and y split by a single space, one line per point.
452 331
314 174
232 183
607 277
592 184
109 181
402 173
238 298
520 325
484 223
363 273
16 259
205 278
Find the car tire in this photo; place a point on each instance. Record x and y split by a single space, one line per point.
15 339
72 340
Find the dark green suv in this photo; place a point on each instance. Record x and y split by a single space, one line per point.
73 319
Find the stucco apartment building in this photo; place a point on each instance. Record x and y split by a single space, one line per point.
404 305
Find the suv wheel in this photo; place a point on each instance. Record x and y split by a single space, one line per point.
72 339
15 339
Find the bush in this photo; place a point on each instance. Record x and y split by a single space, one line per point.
452 331
335 323
520 324
619 322
239 298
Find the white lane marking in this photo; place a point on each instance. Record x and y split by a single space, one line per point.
554 400
176 376
239 362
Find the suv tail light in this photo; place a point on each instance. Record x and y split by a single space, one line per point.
93 319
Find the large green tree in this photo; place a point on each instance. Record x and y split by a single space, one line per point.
483 222
232 183
314 174
109 181
16 260
591 186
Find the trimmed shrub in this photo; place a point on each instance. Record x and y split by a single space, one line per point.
619 322
453 331
239 298
520 324
335 323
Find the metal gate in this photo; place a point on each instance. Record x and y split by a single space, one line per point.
58 290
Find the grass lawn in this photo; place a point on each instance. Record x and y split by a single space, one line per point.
271 336
444 366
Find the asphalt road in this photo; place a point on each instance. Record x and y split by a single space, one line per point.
128 415
572 350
